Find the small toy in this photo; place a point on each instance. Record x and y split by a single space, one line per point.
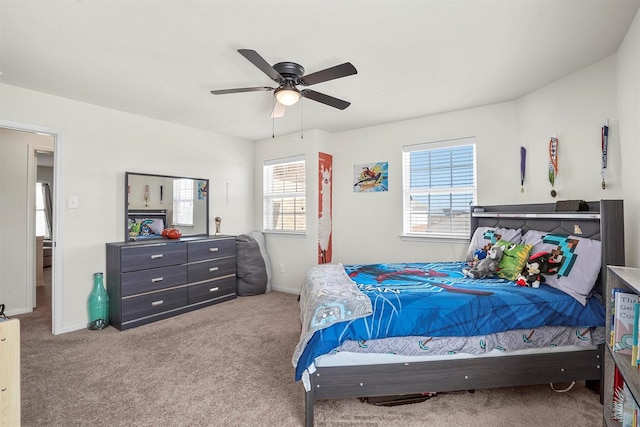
487 266
478 255
537 266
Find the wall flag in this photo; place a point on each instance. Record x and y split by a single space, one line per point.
605 142
553 163
523 165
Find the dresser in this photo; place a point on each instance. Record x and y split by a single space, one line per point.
157 279
9 372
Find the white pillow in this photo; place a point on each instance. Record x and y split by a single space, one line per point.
581 261
156 226
485 235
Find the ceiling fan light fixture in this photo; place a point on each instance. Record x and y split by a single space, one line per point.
287 96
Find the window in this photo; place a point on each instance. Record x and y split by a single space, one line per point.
183 202
439 187
42 224
284 193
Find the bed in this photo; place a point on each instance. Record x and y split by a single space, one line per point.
343 372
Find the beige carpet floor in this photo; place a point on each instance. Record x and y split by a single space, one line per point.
230 365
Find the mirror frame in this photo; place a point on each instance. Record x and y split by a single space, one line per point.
126 204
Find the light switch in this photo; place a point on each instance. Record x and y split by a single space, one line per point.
72 203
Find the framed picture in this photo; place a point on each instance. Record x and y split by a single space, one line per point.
371 177
202 190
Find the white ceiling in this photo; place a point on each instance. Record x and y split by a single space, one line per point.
160 59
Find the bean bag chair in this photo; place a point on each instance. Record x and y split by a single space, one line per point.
253 267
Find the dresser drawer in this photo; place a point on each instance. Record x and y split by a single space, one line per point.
211 290
134 258
157 302
214 248
137 282
206 270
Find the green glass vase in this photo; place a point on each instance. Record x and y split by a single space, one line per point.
98 304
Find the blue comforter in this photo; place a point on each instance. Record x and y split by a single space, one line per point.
437 300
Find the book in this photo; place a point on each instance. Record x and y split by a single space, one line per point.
636 320
612 304
623 322
617 406
629 408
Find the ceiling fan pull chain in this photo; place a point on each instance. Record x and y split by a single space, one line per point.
273 122
302 120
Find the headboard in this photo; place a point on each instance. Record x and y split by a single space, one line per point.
139 215
603 221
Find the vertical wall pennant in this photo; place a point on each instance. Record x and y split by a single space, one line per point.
325 234
604 134
553 163
523 166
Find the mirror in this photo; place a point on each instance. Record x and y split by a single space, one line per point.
155 202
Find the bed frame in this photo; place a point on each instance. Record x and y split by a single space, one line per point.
604 221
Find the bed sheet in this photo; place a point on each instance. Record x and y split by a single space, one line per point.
437 300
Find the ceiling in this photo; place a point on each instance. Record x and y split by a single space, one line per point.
160 59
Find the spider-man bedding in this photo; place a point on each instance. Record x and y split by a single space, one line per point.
428 300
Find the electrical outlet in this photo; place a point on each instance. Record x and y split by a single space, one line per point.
281 268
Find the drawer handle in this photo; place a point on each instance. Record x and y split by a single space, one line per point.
157 279
159 302
213 249
213 269
214 289
156 256
4 389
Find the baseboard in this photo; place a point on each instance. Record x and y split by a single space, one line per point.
285 290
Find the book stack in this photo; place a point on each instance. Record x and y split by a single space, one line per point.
625 408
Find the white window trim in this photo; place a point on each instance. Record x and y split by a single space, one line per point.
434 236
279 161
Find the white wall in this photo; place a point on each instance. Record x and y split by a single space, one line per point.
628 76
97 147
575 107
367 226
294 253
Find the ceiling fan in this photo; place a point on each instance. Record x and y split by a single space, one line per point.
289 75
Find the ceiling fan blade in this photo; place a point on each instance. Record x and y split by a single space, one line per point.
278 110
257 60
242 89
342 70
325 99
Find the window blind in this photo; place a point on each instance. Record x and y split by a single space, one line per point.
439 186
183 202
284 195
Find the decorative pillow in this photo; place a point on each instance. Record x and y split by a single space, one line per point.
514 258
156 225
580 261
490 235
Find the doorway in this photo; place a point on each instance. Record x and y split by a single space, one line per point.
25 149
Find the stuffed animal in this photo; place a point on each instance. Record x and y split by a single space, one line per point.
537 266
487 266
478 255
530 276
